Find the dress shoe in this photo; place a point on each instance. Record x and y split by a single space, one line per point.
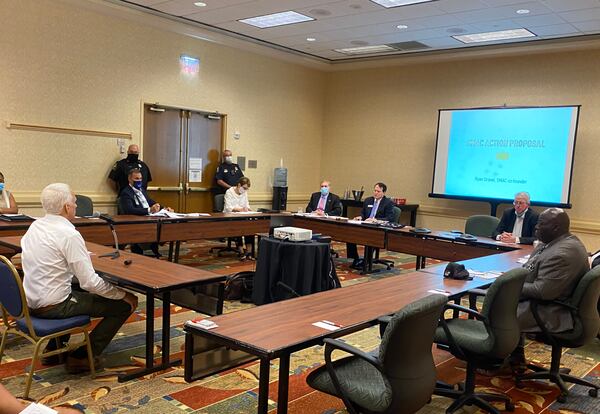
357 264
53 359
80 365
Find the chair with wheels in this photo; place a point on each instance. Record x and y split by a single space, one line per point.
399 377
219 206
584 309
483 342
481 225
36 330
85 206
388 263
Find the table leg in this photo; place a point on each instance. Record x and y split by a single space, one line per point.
166 329
166 326
418 263
413 218
284 378
171 251
177 246
263 386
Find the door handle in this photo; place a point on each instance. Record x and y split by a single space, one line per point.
161 188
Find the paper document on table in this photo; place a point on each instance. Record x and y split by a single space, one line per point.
523 260
355 221
490 274
172 214
327 326
439 292
161 213
202 323
246 212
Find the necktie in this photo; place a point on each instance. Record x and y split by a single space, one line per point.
374 209
321 205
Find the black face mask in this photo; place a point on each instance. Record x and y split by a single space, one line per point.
132 157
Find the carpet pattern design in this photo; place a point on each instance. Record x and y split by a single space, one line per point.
235 390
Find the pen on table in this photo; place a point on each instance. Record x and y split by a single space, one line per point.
332 323
442 291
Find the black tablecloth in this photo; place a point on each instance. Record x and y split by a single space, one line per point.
302 267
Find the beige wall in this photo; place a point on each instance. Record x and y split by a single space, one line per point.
385 121
71 67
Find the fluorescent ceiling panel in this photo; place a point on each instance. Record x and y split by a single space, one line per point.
494 36
366 49
276 19
396 3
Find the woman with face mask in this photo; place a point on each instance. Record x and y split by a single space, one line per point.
236 200
8 205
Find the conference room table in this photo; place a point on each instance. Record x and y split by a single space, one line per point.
154 278
441 245
278 329
129 228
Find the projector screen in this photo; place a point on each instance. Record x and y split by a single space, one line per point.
489 154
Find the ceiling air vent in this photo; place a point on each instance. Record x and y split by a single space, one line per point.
409 46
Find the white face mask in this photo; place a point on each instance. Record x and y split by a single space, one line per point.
228 159
242 190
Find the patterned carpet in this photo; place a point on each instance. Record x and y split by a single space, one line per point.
235 391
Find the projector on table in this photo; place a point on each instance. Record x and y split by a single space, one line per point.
292 233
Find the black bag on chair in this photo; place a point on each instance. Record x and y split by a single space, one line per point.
238 286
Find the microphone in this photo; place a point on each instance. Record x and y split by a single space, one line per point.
111 222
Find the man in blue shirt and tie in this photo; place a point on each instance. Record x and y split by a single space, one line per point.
324 203
378 207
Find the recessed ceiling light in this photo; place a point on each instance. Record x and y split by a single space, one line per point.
366 50
522 11
490 36
402 26
310 39
200 4
396 3
276 19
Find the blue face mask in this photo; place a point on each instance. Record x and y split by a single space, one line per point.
137 184
324 190
1 186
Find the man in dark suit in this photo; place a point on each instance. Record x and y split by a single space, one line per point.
555 267
135 200
378 207
324 203
518 223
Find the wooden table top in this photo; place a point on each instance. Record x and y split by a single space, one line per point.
143 272
500 262
286 326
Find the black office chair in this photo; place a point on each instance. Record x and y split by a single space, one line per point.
388 263
85 206
219 206
483 342
584 308
399 377
481 225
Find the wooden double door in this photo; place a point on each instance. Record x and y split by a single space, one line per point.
182 149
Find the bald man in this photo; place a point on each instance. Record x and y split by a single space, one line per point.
120 171
555 267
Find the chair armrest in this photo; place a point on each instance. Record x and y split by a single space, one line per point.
383 323
473 295
333 344
538 319
468 311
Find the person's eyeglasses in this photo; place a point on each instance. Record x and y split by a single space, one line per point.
519 203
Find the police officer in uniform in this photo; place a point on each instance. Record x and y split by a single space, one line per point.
121 169
228 174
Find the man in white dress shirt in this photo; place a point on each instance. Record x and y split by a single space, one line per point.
53 254
517 224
